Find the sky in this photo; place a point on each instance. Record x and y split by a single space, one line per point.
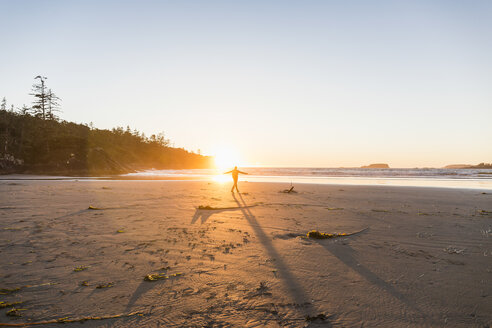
272 83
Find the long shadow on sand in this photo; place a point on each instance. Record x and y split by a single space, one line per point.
203 215
142 289
289 280
346 255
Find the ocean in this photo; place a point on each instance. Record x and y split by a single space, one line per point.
416 177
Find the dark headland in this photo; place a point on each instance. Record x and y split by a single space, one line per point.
33 145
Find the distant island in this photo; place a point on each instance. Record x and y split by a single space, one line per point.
469 166
457 166
376 166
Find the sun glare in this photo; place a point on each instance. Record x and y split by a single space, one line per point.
226 158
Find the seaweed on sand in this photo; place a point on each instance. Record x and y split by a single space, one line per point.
107 285
315 234
155 276
159 276
14 312
6 304
80 268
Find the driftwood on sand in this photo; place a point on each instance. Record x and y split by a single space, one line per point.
289 191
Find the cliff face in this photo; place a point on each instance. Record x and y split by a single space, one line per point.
376 166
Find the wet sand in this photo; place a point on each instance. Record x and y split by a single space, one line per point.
425 259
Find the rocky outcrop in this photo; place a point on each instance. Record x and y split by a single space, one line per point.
10 164
468 166
457 166
376 166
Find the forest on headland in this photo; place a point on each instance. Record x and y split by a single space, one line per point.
33 139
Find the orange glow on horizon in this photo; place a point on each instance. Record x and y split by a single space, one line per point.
226 158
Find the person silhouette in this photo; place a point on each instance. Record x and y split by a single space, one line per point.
235 175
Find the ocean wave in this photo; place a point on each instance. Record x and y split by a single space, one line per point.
330 172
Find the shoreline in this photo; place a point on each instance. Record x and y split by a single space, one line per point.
484 184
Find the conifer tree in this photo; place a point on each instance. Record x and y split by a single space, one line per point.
40 102
24 110
53 105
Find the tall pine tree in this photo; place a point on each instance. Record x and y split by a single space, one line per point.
3 105
53 105
40 103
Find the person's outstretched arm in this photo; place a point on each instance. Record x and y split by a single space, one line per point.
227 172
242 172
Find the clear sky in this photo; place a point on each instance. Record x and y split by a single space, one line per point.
282 83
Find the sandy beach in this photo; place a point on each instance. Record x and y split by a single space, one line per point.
421 257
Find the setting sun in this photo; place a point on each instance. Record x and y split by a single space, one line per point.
226 157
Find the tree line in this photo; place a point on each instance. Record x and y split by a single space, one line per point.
45 104
35 140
